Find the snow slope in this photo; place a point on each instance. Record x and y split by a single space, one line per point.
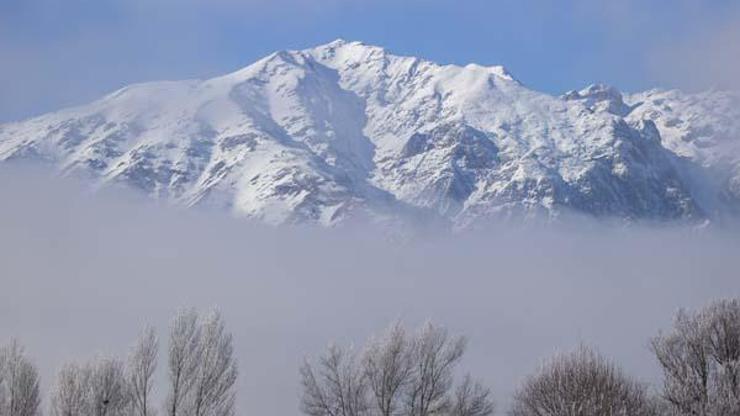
348 130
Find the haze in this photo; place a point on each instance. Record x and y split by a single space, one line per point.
82 273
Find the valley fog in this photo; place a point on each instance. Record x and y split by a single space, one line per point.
82 273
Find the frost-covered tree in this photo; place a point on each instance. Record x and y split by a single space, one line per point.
97 388
433 357
337 388
105 386
70 393
472 399
387 367
202 367
19 382
581 383
182 360
3 393
141 365
396 375
700 359
108 392
213 392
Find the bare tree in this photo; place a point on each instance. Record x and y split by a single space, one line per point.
182 360
70 393
387 367
108 390
3 392
472 399
214 388
202 367
339 388
19 381
97 388
202 374
141 365
433 355
700 359
581 383
397 375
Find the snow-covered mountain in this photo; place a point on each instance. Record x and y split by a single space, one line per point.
347 129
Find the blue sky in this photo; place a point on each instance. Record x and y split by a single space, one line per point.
55 53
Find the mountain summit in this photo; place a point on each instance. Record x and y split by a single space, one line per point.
346 129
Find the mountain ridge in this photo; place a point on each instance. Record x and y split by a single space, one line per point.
348 130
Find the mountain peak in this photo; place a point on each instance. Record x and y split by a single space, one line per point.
600 97
344 43
357 52
339 42
498 70
346 48
347 129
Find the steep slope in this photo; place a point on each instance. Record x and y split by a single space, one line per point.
348 130
278 141
704 128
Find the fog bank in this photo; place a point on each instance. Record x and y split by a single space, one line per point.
82 273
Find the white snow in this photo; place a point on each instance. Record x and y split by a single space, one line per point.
342 129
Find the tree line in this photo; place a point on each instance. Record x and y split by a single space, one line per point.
397 373
201 376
